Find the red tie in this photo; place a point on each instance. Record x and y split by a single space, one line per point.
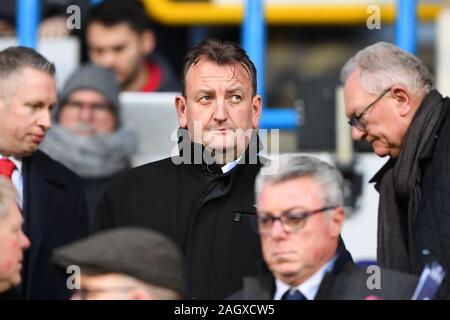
6 167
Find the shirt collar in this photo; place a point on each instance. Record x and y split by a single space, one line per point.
16 160
309 287
230 165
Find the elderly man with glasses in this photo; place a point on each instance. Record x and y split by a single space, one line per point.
391 104
300 215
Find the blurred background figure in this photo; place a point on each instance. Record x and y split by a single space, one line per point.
125 264
88 136
12 240
119 37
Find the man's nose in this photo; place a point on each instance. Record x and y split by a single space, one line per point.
86 113
278 230
106 59
358 134
45 119
24 241
220 111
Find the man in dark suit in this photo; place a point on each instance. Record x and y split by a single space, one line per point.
203 198
300 215
50 196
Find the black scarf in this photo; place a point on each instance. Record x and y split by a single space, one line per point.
400 193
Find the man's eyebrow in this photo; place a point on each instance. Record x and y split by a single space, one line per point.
235 89
286 210
204 90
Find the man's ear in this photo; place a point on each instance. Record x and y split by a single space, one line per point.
148 41
337 218
180 105
256 111
403 100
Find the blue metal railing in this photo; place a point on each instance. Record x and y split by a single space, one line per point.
406 25
27 15
254 42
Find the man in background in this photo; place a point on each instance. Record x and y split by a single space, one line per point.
88 136
119 37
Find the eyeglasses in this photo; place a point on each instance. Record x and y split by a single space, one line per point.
356 120
93 106
83 294
291 220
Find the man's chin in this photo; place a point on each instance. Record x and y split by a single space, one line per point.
381 154
380 151
26 152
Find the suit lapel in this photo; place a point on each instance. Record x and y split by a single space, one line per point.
343 263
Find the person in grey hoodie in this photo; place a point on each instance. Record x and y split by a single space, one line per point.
87 135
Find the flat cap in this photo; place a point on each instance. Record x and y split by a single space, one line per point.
141 253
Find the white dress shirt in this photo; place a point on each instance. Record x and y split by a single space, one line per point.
230 165
17 177
308 288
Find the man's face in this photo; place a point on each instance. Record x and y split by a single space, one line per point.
295 256
219 107
12 242
385 129
26 100
87 113
119 48
111 286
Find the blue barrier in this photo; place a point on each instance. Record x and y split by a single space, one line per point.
406 25
27 15
253 35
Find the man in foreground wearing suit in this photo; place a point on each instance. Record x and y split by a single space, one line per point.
299 217
51 197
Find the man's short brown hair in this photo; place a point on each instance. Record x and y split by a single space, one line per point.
13 59
220 52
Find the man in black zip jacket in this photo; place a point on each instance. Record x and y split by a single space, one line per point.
202 198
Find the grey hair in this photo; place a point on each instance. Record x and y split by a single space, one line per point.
13 59
384 65
7 191
290 166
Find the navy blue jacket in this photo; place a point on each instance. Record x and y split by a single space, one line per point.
55 213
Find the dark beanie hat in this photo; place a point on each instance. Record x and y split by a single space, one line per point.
95 78
141 253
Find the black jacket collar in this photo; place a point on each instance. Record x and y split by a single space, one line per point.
195 153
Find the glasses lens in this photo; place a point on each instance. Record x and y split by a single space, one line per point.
265 224
357 123
293 222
